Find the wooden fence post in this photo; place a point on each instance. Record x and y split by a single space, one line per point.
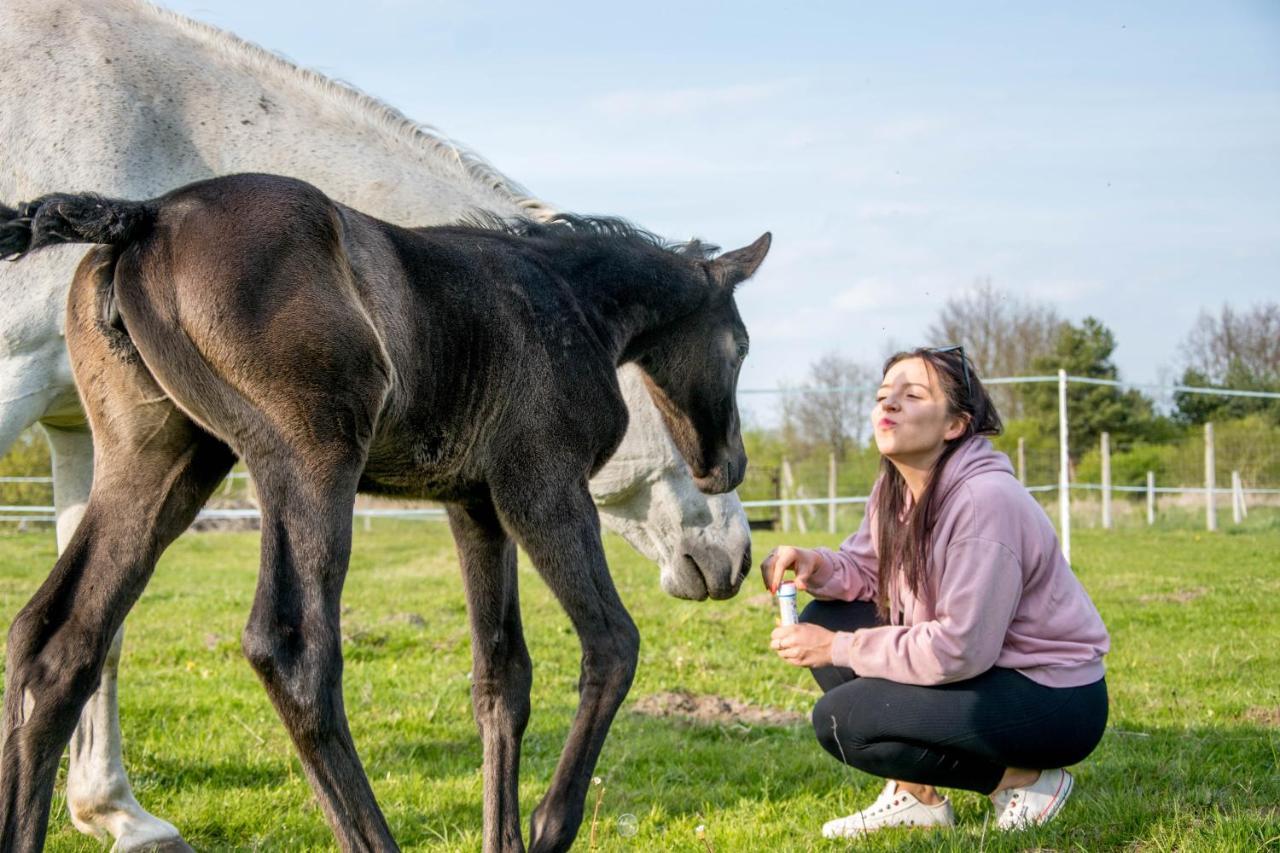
1210 503
787 485
831 493
1151 498
1238 512
1064 469
1106 481
1022 460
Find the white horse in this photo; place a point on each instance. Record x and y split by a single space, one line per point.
132 101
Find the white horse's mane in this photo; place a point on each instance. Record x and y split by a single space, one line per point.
359 104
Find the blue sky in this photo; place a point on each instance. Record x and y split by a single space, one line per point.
1114 159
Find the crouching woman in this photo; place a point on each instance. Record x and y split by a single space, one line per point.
954 646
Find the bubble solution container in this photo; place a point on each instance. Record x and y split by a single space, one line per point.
787 603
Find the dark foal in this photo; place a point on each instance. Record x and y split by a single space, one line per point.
252 317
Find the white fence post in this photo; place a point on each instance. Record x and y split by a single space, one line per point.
802 509
1064 468
1106 481
831 493
1022 460
1210 502
786 495
1151 498
1238 512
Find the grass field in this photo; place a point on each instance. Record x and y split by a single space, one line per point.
1189 761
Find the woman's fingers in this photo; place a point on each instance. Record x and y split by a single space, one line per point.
799 561
766 569
802 645
775 566
785 558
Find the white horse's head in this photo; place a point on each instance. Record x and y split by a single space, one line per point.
647 495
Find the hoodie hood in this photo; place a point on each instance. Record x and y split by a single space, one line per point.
975 456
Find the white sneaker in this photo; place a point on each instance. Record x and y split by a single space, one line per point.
1035 804
891 808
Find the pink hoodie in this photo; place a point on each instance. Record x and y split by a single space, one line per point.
1001 593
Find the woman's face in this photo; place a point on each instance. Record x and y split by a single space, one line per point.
910 419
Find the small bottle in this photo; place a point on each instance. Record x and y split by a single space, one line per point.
787 603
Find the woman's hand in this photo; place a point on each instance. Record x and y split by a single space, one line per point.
802 562
803 645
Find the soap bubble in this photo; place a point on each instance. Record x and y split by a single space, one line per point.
628 825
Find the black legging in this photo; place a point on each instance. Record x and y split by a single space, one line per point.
958 735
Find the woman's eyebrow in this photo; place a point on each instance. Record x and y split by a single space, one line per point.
916 384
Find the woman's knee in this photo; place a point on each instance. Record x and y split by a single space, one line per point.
833 725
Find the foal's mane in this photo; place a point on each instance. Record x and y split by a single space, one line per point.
361 105
571 227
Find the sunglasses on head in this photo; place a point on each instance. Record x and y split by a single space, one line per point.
968 385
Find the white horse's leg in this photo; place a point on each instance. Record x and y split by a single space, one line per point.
99 798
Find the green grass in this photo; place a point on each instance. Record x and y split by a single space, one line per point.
1189 761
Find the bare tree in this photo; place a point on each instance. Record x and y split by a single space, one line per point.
1001 333
1234 345
832 409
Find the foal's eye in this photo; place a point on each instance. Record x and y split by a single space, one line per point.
743 349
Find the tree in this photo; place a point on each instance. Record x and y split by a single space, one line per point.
832 409
1085 350
1001 333
1234 349
1240 343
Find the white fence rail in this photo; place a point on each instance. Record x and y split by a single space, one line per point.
1064 486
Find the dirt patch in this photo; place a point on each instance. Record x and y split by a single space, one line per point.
713 709
1263 716
1181 596
764 601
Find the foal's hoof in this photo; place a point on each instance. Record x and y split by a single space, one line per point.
163 845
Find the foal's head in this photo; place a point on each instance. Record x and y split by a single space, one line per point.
692 372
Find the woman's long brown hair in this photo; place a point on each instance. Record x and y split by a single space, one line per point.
905 543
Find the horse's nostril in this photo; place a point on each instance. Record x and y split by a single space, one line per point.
745 568
693 570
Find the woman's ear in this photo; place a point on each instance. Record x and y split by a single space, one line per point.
956 427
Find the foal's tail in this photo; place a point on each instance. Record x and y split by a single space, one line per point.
69 218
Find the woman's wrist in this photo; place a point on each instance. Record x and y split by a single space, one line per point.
842 649
823 569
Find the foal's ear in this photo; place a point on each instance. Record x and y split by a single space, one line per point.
732 268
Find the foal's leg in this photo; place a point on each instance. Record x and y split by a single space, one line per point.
155 471
99 798
560 529
501 671
293 639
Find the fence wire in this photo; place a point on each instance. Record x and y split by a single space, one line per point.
806 493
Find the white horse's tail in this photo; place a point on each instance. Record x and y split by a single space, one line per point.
68 218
